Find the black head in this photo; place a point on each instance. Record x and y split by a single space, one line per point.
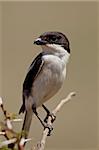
53 38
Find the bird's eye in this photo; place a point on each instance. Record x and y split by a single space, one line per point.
59 37
45 38
53 38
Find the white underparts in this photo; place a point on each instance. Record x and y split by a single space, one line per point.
57 50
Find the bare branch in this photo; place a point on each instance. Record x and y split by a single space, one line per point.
9 124
17 120
6 129
41 145
12 136
1 102
22 142
7 142
2 133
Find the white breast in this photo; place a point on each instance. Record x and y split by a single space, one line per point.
50 79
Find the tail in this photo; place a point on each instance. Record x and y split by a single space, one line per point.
26 126
27 123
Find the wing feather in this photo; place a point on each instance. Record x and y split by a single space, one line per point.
33 71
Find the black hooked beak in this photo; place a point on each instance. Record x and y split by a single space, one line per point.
39 41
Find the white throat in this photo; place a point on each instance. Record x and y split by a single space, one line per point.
57 50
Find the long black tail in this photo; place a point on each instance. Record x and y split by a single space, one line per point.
27 123
25 127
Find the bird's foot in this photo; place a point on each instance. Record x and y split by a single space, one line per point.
44 124
49 127
53 117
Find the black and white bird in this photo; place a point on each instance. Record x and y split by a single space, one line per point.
46 74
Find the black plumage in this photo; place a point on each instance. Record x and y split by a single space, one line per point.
34 68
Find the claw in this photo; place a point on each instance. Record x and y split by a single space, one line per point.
49 127
46 119
53 117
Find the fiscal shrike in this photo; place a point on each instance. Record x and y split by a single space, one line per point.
45 75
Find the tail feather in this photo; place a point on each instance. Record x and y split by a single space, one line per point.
27 123
22 109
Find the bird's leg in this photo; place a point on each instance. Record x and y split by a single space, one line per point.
53 117
36 113
45 125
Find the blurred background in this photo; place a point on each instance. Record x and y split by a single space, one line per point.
76 126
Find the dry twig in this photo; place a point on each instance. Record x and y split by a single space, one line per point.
7 142
12 137
41 145
6 128
22 142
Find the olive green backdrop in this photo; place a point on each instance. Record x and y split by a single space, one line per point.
76 126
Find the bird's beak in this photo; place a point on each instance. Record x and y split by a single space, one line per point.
39 41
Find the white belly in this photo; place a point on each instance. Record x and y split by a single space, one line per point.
48 82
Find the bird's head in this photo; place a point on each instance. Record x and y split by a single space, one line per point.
53 40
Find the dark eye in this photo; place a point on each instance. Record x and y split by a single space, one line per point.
46 38
59 37
54 39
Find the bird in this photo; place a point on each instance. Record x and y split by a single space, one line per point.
45 75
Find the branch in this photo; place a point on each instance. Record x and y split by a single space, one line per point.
22 142
13 137
6 128
41 145
7 142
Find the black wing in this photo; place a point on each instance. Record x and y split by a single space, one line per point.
34 68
